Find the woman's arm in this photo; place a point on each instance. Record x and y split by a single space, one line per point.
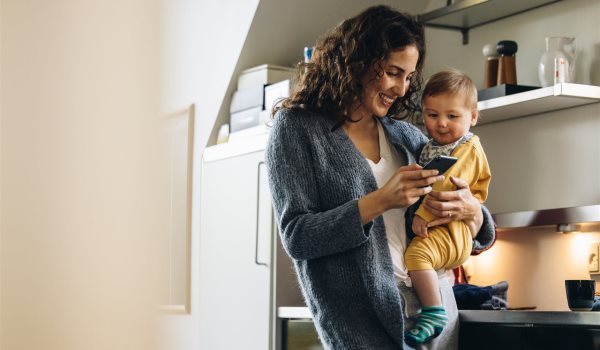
308 231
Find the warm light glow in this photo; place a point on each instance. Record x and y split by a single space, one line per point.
532 259
486 264
580 244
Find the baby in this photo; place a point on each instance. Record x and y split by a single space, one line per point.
449 110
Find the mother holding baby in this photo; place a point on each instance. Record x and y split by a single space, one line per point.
342 171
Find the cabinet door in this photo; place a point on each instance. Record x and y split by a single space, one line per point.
235 254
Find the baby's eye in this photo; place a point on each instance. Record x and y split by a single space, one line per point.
432 115
452 116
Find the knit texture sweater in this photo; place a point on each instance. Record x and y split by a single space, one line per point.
344 268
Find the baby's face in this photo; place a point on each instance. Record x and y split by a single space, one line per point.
447 117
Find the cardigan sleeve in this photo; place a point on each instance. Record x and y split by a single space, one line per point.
307 231
487 234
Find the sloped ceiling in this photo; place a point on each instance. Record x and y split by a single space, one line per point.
282 28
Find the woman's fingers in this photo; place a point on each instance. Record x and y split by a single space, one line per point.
436 208
440 221
459 183
451 205
409 183
415 172
419 191
420 178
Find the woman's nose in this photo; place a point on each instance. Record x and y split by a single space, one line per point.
400 88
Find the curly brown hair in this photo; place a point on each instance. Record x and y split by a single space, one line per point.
331 81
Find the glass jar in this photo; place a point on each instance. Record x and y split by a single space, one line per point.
557 64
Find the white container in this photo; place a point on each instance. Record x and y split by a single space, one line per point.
263 75
275 92
245 119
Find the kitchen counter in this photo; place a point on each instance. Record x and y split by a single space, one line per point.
497 329
529 330
293 312
572 318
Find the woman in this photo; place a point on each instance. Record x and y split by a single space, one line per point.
342 173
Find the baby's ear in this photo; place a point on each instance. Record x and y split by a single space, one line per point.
474 117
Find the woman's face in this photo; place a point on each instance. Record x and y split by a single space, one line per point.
381 90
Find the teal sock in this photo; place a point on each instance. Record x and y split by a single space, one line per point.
430 324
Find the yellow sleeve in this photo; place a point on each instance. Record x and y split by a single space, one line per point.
471 166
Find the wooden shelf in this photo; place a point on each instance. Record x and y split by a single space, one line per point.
548 99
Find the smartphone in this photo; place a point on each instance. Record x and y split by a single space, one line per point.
441 163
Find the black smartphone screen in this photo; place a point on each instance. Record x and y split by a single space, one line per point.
441 163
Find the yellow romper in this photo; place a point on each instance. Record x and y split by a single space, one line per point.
449 246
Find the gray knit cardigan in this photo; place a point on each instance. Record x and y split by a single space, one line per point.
345 270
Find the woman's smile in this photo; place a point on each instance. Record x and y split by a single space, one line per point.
386 100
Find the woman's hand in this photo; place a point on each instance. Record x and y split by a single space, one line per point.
403 189
449 206
407 185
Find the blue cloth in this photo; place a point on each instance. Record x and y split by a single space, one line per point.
596 306
470 297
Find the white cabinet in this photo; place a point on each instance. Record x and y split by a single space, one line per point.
236 231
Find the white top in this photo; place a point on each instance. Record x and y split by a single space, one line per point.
393 219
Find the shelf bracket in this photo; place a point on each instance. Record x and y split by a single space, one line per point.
465 36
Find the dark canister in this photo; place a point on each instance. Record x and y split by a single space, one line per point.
580 294
507 64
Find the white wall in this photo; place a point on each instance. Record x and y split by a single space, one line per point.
84 87
544 161
80 210
201 43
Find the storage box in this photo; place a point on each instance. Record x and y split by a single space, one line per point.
275 92
263 75
247 98
245 119
502 90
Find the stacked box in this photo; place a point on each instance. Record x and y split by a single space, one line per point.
254 85
263 75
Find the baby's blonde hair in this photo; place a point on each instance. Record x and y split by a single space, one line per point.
452 81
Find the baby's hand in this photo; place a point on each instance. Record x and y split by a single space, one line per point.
419 226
